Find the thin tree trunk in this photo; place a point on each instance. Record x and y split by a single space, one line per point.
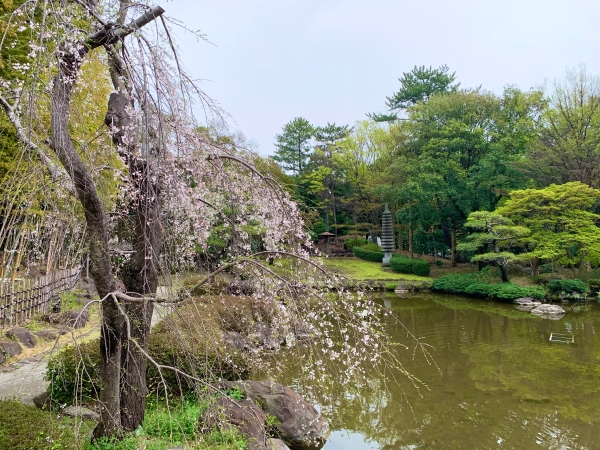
535 266
410 241
453 260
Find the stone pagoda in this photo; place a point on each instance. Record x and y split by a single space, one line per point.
387 236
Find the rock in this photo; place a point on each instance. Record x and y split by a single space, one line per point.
248 418
301 426
44 401
46 335
240 288
548 310
524 301
80 411
75 319
54 318
263 337
11 348
23 335
526 304
401 289
2 358
277 444
238 341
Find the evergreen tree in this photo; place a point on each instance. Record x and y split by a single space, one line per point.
293 145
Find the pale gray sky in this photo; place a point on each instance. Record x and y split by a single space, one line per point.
334 61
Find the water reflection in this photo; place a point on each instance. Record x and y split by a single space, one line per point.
500 384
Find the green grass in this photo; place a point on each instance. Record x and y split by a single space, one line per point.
24 427
359 270
165 428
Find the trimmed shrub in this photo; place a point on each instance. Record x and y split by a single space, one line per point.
455 283
471 284
371 247
351 243
509 291
391 287
421 267
402 264
368 255
568 287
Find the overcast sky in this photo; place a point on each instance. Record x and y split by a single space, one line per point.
334 61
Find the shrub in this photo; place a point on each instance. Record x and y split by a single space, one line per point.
371 247
509 291
439 262
472 284
454 283
74 372
351 243
391 287
421 267
567 287
368 255
402 264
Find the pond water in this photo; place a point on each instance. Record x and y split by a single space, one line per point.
499 383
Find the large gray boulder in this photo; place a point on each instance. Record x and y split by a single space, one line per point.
300 426
10 348
23 335
549 311
248 418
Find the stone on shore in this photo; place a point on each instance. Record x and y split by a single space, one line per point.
550 311
300 426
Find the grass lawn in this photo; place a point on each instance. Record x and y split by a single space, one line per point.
360 270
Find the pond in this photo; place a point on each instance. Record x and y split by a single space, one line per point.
499 383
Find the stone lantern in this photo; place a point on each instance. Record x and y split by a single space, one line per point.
387 236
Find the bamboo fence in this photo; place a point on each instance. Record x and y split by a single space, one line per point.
20 299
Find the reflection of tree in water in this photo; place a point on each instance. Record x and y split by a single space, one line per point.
502 384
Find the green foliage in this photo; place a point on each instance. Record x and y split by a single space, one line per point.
567 287
563 228
164 428
74 372
351 243
472 284
418 85
368 255
371 247
25 427
235 393
402 264
293 145
439 263
391 287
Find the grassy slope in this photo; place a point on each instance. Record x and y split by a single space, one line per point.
359 270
